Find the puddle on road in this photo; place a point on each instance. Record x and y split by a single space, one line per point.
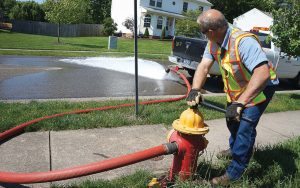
146 68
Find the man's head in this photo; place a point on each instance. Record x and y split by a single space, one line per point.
213 24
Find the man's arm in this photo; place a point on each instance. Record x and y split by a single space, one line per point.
201 73
257 83
256 62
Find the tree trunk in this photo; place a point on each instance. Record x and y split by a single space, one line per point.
58 32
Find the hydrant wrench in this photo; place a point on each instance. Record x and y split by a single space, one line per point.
209 105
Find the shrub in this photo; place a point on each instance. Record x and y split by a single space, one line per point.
163 34
146 33
129 24
188 27
109 27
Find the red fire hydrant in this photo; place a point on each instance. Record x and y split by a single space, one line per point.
188 134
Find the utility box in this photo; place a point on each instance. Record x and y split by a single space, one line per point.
112 42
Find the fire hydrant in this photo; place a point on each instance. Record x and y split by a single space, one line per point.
188 134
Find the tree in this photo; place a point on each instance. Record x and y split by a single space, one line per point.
234 8
285 13
129 24
29 10
99 10
188 26
109 26
6 6
286 25
67 12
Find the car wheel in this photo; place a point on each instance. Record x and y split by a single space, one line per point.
191 72
296 81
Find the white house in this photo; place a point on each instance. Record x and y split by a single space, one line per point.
253 18
154 14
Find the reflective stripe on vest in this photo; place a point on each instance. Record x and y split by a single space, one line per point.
273 75
235 75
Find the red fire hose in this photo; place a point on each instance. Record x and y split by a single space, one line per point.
92 168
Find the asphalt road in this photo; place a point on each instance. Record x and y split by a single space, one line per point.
23 77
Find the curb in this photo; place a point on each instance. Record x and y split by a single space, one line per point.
121 98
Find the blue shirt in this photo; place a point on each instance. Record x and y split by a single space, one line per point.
250 51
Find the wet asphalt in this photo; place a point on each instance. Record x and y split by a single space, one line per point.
56 79
25 77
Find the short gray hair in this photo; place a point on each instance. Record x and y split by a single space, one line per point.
207 22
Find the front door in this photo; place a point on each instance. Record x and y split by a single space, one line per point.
169 27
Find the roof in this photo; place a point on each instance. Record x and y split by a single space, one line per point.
268 14
205 2
161 12
255 9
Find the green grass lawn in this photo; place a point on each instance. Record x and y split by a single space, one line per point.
271 166
94 46
13 114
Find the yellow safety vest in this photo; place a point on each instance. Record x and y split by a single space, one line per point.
235 76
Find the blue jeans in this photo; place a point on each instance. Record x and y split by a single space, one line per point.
243 136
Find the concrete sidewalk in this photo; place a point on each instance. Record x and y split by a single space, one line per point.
44 151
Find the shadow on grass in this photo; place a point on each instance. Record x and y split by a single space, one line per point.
267 167
295 96
12 185
6 31
207 171
269 157
88 45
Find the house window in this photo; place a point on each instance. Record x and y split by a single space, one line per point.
159 22
152 3
147 20
159 3
185 6
201 8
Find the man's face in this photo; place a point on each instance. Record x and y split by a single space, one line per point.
209 33
203 30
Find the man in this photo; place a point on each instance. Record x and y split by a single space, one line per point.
248 82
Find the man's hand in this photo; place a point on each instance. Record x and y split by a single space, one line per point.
234 111
194 97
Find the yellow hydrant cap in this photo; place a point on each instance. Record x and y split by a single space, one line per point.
191 121
154 183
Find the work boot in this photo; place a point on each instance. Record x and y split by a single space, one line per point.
224 154
223 180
